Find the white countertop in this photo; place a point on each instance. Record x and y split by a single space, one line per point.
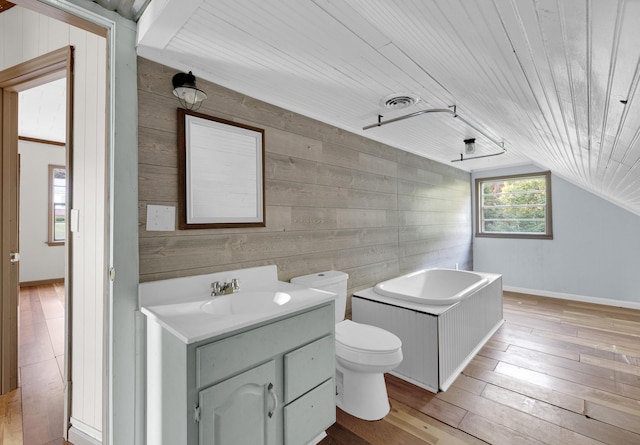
185 319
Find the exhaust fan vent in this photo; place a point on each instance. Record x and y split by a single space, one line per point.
399 101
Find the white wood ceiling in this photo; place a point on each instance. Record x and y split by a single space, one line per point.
546 77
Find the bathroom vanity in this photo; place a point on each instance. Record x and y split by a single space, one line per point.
240 375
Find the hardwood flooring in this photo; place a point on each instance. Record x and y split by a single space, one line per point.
557 372
33 414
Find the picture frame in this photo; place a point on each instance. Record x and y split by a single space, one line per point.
221 173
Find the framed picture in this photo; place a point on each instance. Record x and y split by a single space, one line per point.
221 173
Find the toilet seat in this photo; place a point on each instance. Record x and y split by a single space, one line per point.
367 345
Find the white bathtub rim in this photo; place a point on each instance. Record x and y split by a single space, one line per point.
380 288
574 297
431 309
370 294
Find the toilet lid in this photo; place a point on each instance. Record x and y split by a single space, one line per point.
365 337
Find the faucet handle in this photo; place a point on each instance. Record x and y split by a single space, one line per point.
215 288
235 284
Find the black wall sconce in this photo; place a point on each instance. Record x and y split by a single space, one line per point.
184 88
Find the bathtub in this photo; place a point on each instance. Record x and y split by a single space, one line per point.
432 286
442 316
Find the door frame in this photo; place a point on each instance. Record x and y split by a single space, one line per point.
122 397
40 70
9 240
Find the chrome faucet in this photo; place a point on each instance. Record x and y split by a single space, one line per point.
225 288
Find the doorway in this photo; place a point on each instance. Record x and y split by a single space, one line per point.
42 150
25 78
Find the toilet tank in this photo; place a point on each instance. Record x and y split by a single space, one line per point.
330 281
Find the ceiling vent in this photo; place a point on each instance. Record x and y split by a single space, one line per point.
399 101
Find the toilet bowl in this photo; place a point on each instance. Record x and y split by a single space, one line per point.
363 353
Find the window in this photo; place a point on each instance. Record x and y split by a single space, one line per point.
57 204
516 206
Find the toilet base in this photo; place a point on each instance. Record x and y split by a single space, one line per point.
363 395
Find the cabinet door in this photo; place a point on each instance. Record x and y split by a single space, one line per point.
237 410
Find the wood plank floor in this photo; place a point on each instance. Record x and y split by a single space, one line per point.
557 372
33 414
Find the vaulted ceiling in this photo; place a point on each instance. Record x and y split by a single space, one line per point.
555 81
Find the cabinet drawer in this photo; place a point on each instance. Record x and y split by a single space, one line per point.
307 367
221 359
311 414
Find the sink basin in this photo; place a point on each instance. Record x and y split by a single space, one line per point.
251 302
184 308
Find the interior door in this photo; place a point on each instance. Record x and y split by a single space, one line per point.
9 262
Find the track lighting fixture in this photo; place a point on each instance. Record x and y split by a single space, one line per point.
469 146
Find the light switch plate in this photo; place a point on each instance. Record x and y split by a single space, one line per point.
161 218
74 220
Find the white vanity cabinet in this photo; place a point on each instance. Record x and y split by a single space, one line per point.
272 383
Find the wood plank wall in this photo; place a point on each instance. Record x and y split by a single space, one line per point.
334 200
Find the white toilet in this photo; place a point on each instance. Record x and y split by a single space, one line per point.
363 353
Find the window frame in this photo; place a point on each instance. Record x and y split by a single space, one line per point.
547 235
51 207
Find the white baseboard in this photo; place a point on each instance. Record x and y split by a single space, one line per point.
414 382
79 437
316 440
573 297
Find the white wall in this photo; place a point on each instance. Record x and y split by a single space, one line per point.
595 251
38 260
25 35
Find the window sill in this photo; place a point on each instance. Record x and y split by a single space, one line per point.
55 243
513 236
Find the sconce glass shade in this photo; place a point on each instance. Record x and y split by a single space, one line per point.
469 146
184 88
